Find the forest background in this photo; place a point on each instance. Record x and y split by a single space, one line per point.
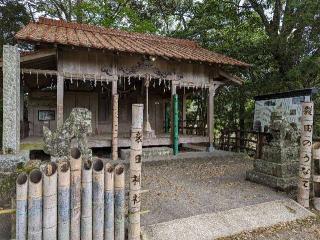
280 38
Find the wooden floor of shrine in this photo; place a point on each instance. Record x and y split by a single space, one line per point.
99 141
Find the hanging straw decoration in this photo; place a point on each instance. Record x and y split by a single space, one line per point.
37 80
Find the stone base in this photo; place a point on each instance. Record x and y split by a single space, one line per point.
149 134
283 184
280 154
276 169
148 152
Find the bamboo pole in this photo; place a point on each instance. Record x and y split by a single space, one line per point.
305 154
22 206
75 192
86 198
49 187
98 199
135 172
63 200
35 205
119 202
109 202
115 119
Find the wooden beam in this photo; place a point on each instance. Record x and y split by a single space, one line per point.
231 78
35 55
39 71
38 54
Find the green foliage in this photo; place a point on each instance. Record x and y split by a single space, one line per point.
280 38
8 182
13 16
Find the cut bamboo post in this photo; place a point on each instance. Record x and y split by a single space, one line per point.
35 205
115 119
86 198
135 172
75 192
63 200
109 202
49 187
305 154
98 199
119 202
316 176
22 206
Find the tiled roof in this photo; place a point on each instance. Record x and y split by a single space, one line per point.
83 35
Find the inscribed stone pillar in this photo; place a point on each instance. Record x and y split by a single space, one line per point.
305 154
11 99
210 111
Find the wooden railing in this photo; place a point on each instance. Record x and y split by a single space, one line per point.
192 127
240 141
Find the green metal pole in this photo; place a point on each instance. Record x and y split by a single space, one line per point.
166 118
175 125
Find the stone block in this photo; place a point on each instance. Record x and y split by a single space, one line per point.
277 169
280 154
283 183
148 152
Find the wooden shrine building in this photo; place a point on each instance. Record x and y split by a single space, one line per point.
106 71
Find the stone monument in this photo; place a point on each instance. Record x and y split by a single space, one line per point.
279 164
74 131
11 153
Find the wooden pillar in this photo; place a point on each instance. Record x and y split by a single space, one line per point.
115 120
60 88
184 113
147 126
60 94
175 124
210 117
166 117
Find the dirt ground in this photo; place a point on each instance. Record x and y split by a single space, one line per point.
186 187
195 185
182 188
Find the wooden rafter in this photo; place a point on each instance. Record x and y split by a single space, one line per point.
231 78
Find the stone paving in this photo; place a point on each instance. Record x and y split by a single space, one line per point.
216 225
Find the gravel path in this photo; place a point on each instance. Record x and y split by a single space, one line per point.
186 187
